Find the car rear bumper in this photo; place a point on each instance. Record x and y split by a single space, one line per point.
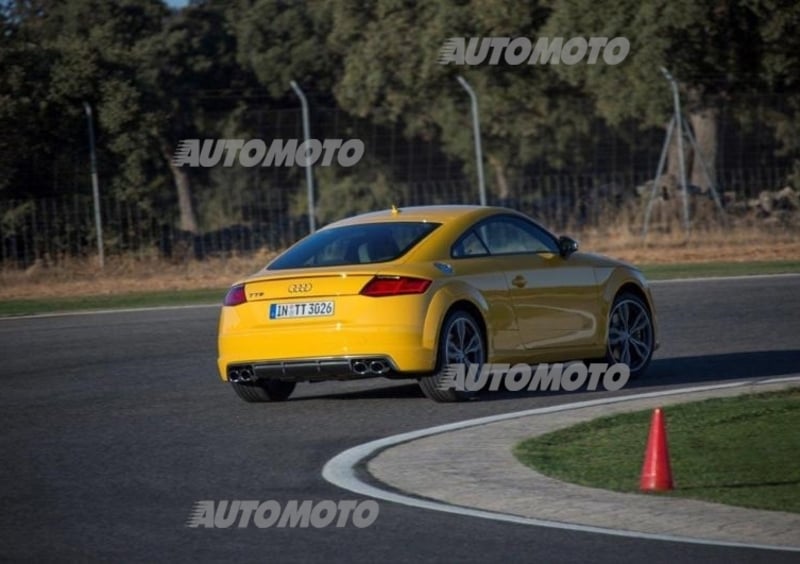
312 369
326 354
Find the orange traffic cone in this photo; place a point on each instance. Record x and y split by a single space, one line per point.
656 473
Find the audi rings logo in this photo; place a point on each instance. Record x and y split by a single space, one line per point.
299 288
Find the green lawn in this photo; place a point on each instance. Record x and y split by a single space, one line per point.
697 270
187 297
739 451
135 300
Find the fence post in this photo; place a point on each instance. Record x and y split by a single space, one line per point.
476 131
309 173
98 224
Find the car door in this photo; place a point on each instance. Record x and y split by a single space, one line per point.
474 265
555 299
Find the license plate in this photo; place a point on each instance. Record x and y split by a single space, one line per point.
300 309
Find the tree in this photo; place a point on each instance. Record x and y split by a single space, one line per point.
780 69
714 48
280 41
192 84
390 74
61 54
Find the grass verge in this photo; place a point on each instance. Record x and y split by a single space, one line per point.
121 301
707 269
188 296
738 451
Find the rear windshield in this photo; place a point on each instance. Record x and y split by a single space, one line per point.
354 244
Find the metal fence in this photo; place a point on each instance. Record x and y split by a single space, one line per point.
241 209
55 229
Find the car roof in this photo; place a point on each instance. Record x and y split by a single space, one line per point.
437 214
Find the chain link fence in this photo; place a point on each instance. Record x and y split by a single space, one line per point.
58 228
595 178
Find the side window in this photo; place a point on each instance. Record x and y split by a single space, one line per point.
509 235
469 245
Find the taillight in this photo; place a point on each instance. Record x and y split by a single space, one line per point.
235 296
394 286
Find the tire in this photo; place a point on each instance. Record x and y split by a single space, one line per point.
263 390
468 347
631 321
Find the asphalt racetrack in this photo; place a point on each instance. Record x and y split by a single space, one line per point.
115 424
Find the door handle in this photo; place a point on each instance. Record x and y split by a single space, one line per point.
519 281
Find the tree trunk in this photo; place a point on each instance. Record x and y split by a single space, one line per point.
673 165
188 221
671 189
503 192
704 124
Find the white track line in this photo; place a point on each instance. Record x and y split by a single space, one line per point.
342 470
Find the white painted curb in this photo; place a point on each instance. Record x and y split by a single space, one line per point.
343 469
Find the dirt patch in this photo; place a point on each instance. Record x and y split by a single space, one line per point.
719 245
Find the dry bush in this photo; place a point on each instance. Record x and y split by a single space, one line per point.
124 274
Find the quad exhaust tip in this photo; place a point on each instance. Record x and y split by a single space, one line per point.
369 366
379 367
359 367
240 375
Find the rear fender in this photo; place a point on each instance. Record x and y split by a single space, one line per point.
441 304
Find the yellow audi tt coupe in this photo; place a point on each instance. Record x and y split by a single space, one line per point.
403 293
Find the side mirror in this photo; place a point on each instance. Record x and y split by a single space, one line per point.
567 246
